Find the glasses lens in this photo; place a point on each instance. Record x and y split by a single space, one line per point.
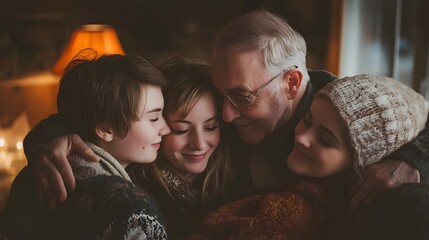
240 101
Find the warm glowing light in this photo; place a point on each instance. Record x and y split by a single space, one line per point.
2 142
19 145
101 38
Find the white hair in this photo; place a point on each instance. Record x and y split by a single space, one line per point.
280 45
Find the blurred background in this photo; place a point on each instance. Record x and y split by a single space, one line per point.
346 37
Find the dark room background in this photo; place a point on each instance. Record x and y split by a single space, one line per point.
34 32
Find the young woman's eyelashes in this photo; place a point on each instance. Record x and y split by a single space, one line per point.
155 114
179 131
154 119
326 141
323 135
210 129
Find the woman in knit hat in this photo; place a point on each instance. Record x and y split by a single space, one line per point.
352 123
358 121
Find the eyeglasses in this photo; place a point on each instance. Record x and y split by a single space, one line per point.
246 102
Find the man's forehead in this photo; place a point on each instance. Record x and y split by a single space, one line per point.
230 84
227 79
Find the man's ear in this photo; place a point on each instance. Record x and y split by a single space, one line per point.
104 133
293 80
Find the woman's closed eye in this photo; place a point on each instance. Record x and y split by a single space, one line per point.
327 138
211 128
326 142
179 132
154 119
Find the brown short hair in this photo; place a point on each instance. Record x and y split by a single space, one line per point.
104 90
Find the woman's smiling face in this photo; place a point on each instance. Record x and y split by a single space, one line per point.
321 142
193 138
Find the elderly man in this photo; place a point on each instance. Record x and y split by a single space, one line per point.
259 67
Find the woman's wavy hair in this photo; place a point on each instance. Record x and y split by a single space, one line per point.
188 81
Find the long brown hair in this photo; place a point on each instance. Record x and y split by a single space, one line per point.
187 82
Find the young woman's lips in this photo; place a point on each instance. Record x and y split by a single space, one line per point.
301 153
156 145
195 157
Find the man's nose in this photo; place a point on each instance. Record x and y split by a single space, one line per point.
229 112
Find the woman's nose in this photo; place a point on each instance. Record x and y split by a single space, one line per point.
303 139
198 142
164 128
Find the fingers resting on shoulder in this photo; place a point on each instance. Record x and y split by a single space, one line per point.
54 175
381 177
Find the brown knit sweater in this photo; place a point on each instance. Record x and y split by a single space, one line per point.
310 209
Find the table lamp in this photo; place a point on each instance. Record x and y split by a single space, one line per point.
102 38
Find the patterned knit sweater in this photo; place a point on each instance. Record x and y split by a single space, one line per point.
104 205
184 207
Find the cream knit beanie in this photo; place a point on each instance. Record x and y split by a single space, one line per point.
381 114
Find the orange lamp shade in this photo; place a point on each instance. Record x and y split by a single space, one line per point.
101 38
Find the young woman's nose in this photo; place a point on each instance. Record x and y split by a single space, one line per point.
197 140
229 112
164 128
303 138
